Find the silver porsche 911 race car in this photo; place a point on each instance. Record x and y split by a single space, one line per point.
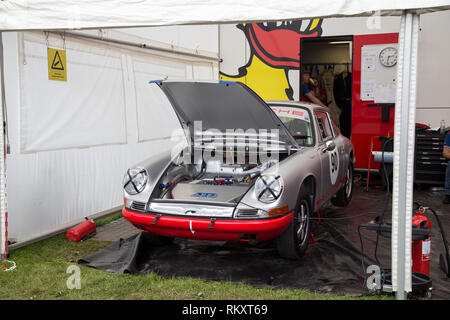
247 170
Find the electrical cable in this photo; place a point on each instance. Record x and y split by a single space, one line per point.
339 218
362 257
173 182
380 222
379 219
10 268
202 170
345 218
444 238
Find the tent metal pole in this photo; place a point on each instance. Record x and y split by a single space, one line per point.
3 206
134 44
404 143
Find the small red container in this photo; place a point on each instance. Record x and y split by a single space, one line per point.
81 231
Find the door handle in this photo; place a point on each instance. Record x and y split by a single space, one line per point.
329 146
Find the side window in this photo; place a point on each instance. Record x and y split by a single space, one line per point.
324 125
335 127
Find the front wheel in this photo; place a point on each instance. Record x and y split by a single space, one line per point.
293 242
344 195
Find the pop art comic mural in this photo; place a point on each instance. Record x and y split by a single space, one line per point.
274 58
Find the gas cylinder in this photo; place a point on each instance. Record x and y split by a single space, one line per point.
421 248
81 231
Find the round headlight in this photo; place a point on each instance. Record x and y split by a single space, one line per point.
135 180
268 188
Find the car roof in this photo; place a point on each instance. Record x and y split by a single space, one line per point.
303 104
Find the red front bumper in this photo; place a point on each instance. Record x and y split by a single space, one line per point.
200 229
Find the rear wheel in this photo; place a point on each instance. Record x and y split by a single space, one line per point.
293 242
344 195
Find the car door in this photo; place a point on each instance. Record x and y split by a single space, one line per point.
341 150
328 155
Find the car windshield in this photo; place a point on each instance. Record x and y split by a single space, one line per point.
298 121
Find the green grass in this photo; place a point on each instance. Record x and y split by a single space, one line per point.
109 219
41 274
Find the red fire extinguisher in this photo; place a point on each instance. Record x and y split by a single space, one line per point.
421 248
81 231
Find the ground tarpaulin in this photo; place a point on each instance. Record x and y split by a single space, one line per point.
331 265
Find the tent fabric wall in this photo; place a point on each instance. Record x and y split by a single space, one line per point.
3 193
147 96
94 87
64 178
195 39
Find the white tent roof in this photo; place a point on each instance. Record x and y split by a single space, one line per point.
82 14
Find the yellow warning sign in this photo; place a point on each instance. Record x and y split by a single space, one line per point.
57 68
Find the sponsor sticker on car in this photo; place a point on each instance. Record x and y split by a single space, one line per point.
291 113
207 195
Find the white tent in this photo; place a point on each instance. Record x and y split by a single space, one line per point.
70 14
95 14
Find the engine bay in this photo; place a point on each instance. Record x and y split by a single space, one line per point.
209 181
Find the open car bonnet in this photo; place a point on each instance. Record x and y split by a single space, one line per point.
225 108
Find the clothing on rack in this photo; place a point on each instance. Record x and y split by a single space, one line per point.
327 78
325 74
342 91
334 89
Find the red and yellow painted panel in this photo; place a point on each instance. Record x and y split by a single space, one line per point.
274 53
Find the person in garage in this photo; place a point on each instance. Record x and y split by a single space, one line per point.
446 154
307 94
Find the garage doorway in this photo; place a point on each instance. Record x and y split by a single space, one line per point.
328 61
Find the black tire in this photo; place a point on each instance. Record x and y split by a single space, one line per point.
157 240
344 195
293 242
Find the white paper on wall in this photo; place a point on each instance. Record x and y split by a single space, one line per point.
385 93
368 61
377 79
367 88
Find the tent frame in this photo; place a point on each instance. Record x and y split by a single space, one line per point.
404 143
3 195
